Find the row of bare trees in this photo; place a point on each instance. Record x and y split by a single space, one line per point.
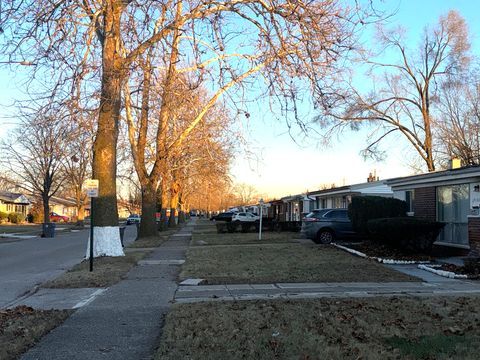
149 58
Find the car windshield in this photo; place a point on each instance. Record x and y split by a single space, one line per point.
317 214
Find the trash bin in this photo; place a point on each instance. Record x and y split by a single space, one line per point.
48 230
122 233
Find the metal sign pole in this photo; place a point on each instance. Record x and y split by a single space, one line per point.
91 187
261 217
91 234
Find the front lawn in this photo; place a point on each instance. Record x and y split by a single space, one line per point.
370 328
244 238
283 262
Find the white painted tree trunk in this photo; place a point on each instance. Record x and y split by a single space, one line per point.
106 242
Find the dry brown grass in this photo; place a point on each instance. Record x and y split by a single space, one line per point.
22 327
244 238
106 272
283 262
372 328
152 241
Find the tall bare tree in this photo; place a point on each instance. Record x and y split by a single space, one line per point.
401 100
34 153
458 122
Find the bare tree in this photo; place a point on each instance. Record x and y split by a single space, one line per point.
402 103
458 123
246 194
78 157
34 154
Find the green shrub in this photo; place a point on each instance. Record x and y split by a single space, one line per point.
3 216
365 208
16 218
407 233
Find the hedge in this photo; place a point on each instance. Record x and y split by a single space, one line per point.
407 233
16 218
365 208
3 216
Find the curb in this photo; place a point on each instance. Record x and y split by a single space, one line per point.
380 260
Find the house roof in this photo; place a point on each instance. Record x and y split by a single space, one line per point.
16 198
368 188
436 178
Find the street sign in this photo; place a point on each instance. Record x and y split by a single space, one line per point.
91 187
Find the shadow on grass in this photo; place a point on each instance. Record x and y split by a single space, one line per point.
429 347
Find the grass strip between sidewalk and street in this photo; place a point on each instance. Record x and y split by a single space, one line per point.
282 263
368 328
22 327
152 241
106 272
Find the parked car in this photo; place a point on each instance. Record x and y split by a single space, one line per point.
325 225
225 216
133 219
245 216
54 217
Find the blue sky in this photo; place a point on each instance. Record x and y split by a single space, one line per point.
287 168
284 167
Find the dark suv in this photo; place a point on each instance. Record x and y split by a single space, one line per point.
325 225
225 216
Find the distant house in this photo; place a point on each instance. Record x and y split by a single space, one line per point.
341 197
63 206
450 196
14 202
276 210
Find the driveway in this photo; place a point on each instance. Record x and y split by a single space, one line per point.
26 263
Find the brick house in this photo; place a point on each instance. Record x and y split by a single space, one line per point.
450 196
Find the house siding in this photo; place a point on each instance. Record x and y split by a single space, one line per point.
474 234
425 203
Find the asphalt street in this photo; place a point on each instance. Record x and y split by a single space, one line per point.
26 263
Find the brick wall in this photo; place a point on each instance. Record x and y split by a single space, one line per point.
474 235
425 203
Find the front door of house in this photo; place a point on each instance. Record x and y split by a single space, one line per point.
453 206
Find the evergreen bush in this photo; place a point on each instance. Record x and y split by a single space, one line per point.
16 218
407 233
365 208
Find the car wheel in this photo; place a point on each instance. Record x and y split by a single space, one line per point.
325 237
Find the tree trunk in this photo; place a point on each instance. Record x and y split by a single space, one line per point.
149 207
105 214
171 220
163 225
181 217
46 213
81 215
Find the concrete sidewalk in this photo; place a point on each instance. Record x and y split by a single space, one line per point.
125 320
191 294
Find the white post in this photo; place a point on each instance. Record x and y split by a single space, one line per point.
261 216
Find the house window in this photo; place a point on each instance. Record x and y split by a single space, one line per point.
453 207
409 198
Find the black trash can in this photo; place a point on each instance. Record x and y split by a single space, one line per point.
122 234
48 230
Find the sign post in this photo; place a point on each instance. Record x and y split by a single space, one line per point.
261 217
91 188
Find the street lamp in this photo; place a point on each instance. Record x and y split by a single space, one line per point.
261 216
